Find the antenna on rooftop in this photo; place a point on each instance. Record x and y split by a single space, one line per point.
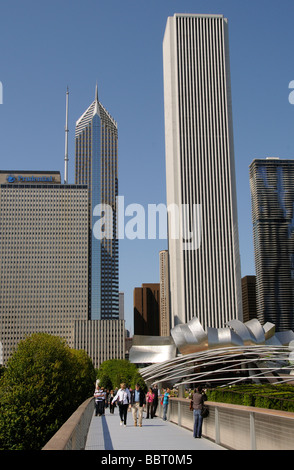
66 142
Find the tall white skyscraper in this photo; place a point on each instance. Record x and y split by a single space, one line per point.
205 281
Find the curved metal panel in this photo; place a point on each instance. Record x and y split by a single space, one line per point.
151 354
291 354
186 342
190 337
285 336
256 330
140 340
273 340
197 330
221 337
241 331
269 330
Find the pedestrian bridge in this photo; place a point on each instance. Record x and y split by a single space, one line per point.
106 433
227 427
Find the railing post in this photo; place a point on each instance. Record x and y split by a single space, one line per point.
216 424
179 413
181 394
252 431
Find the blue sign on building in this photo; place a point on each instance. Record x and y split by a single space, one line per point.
29 179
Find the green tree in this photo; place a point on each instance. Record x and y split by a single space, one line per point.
84 376
43 383
116 371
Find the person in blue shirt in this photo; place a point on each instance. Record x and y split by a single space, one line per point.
165 403
138 401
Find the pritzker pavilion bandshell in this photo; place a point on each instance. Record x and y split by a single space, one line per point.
219 356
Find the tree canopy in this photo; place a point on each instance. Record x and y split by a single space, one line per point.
43 384
113 372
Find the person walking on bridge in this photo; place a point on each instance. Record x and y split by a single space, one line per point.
156 398
111 406
99 397
198 400
123 399
138 401
149 402
165 402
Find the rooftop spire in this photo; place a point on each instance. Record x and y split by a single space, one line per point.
96 93
66 142
96 108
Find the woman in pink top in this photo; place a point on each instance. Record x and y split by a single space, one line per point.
149 401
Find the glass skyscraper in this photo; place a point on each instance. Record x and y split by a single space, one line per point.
205 280
272 196
96 165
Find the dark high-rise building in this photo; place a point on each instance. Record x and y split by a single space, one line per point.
96 165
272 193
249 298
147 310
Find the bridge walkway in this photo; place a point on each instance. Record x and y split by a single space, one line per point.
106 433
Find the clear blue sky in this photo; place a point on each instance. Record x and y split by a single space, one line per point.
45 46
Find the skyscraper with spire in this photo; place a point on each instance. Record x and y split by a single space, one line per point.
96 165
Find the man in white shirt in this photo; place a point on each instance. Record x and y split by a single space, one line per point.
99 397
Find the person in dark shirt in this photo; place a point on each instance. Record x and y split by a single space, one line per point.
155 401
198 400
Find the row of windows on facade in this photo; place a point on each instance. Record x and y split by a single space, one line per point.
41 197
107 180
39 312
43 248
86 136
65 313
22 268
23 193
23 291
29 207
78 225
46 205
26 190
46 258
33 236
84 148
27 274
23 278
50 288
108 165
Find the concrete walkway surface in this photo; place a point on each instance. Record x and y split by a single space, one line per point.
105 433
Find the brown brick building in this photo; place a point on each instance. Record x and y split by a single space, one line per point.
147 310
249 297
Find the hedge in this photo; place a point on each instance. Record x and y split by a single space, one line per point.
275 397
